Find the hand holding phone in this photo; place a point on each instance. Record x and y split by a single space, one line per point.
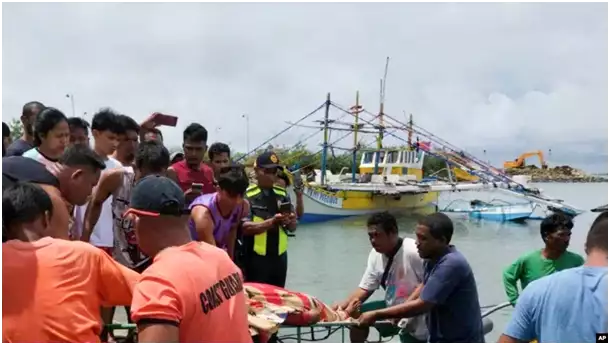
285 208
197 187
159 119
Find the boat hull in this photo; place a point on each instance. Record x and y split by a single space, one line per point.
323 206
509 213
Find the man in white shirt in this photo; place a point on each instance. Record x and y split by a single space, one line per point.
395 265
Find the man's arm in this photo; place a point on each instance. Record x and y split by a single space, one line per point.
437 289
158 333
300 209
204 224
353 301
245 211
156 308
109 183
512 274
251 228
520 328
116 282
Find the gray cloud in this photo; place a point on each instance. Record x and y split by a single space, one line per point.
513 76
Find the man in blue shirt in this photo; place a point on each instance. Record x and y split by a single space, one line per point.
448 294
570 306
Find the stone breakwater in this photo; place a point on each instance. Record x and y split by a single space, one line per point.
562 173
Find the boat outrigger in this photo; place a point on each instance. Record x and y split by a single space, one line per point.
392 178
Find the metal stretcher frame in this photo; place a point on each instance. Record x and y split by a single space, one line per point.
329 328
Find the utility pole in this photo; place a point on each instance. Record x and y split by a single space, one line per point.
71 97
247 117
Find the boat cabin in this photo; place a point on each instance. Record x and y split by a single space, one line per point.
393 162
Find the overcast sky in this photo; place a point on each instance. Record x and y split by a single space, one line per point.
503 77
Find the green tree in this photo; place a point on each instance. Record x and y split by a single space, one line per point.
16 129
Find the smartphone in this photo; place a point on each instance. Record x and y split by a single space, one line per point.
164 119
197 187
285 208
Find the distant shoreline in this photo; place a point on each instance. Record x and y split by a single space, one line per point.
588 179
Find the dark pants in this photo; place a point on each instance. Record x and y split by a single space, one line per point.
267 269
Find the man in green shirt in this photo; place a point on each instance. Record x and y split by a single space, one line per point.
555 230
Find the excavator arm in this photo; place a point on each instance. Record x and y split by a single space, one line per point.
520 161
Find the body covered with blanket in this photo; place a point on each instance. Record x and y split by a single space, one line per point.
270 306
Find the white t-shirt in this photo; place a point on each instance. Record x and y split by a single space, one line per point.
405 274
103 232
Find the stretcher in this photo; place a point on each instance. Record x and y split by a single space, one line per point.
322 331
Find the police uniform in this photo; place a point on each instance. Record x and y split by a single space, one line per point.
267 258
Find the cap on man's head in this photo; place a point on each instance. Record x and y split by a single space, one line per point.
156 196
267 160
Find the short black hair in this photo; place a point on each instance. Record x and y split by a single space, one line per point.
24 202
439 225
233 180
383 221
195 132
218 148
600 217
81 155
79 122
107 120
30 107
555 222
597 238
46 120
6 131
152 156
128 124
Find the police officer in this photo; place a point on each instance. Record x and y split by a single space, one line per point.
265 236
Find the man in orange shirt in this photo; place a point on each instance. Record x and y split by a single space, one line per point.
192 292
52 288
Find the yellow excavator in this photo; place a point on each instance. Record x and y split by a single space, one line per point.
519 163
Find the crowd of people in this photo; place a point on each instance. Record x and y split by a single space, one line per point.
173 239
122 222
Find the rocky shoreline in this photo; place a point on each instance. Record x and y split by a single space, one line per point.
563 174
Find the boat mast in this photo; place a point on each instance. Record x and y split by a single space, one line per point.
325 143
381 126
410 132
356 112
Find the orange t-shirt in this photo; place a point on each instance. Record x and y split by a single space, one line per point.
52 290
197 287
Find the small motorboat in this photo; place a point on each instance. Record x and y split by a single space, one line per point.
495 210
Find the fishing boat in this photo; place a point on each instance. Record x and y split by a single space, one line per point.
391 179
334 196
494 210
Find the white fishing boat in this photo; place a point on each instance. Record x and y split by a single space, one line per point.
494 210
